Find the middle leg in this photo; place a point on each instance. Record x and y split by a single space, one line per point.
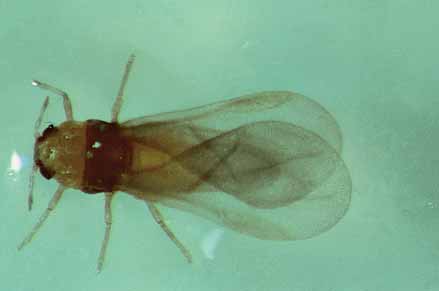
108 222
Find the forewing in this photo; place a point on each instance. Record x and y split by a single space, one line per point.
273 181
262 106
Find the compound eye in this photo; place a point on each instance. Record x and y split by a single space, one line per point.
51 128
46 173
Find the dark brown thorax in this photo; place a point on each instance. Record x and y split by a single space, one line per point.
108 156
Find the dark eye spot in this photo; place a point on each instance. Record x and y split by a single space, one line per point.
46 173
49 130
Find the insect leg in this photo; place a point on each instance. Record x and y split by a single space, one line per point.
160 221
52 204
119 99
108 221
66 99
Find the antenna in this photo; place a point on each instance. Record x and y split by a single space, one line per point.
30 198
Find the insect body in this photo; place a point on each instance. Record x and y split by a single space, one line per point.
90 156
231 162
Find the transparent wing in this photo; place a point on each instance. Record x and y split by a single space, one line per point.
270 105
269 179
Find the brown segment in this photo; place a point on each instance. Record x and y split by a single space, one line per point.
107 156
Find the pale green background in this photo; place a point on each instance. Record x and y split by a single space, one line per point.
373 64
